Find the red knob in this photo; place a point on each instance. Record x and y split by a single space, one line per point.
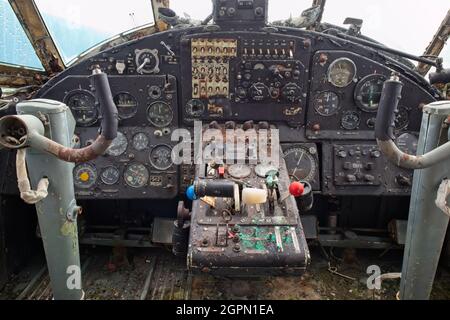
296 189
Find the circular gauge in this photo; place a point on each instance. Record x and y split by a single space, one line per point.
127 105
140 142
326 103
110 176
350 120
239 171
301 164
402 118
259 91
83 107
342 72
195 108
160 114
147 61
118 146
262 169
85 176
408 143
136 176
161 157
368 92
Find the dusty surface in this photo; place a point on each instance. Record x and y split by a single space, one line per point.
121 274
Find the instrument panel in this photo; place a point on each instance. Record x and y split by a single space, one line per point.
322 98
233 77
345 93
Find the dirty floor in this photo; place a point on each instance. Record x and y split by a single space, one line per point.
154 274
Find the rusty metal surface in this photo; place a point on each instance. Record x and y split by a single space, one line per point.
86 154
35 29
437 44
159 24
111 277
17 76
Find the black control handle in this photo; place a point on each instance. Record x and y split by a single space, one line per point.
214 188
390 97
110 115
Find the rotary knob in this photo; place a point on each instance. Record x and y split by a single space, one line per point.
292 92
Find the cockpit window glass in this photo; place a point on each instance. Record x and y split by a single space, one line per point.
400 24
78 25
199 11
15 47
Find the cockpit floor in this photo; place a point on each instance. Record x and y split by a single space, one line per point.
154 274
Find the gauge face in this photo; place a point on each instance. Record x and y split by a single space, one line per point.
118 146
368 92
127 105
195 108
327 104
140 142
82 105
160 114
161 157
259 91
239 171
402 118
110 176
85 176
350 120
136 176
342 72
408 143
301 163
147 61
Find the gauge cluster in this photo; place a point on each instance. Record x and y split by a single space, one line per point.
345 94
240 77
138 164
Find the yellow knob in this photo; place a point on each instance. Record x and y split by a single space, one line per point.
84 177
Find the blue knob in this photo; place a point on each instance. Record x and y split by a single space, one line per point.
190 193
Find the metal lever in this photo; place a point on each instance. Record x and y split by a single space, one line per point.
384 128
142 66
17 132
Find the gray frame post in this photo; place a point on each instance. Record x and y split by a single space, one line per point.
427 224
57 214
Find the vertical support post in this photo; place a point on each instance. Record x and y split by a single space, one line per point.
427 225
57 214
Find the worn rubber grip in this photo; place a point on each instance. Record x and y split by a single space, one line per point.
211 188
110 115
390 97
